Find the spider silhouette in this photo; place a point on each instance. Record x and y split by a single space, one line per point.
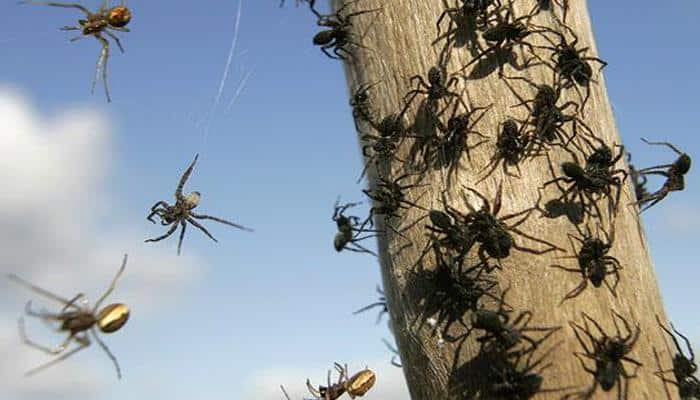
78 320
181 212
674 173
104 20
608 354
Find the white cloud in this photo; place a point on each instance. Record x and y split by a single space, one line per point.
55 173
390 385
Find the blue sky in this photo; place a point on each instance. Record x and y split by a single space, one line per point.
233 320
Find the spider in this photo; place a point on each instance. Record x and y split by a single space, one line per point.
448 148
571 63
467 17
454 291
594 263
437 88
684 367
338 37
349 230
608 353
104 20
507 32
383 147
359 102
493 233
448 231
547 119
547 5
503 333
181 213
510 149
639 181
588 185
674 174
507 380
355 386
380 303
391 198
78 320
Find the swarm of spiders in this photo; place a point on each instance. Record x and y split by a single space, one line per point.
464 245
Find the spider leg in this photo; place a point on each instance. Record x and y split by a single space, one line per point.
223 221
83 342
109 353
102 66
184 177
25 339
39 290
52 4
168 233
201 228
116 40
111 285
182 235
658 364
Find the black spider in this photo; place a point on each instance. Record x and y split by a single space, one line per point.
382 148
503 332
571 63
435 89
389 199
361 108
639 181
511 144
493 233
455 136
588 185
684 367
594 263
454 291
609 354
506 33
449 231
466 17
380 303
338 37
674 173
548 5
547 119
349 230
509 380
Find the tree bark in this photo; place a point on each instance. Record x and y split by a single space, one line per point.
400 40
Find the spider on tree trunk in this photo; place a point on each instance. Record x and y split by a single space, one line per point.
102 21
594 263
181 212
608 354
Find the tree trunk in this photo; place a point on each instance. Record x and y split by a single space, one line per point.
399 38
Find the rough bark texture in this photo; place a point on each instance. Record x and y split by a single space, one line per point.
400 38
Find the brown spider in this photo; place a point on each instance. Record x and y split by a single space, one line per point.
181 213
355 386
77 319
102 21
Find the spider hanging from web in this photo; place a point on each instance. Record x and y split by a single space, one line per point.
97 23
181 212
78 320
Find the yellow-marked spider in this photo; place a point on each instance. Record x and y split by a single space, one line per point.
95 24
181 213
76 319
